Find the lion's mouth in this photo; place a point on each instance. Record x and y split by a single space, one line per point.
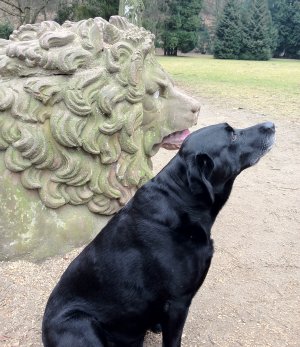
174 140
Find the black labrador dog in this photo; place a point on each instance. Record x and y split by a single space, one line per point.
144 268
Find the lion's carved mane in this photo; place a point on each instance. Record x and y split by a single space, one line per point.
73 128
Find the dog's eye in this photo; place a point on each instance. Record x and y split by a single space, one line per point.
156 94
234 137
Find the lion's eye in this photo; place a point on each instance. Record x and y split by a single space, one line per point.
156 94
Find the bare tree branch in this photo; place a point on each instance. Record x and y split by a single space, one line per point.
7 2
10 13
38 10
44 14
25 11
4 17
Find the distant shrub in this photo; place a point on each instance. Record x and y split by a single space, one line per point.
5 30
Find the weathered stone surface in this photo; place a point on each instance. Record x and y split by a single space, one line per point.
83 107
28 229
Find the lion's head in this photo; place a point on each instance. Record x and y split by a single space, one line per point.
83 107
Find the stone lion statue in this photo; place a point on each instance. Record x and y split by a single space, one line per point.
83 108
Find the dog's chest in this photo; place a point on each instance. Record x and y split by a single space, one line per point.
190 264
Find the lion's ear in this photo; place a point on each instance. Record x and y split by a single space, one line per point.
111 34
120 22
200 168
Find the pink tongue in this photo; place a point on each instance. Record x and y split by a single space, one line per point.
174 141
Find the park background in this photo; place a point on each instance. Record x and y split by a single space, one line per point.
229 29
244 52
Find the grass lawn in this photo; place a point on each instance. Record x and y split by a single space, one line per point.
268 87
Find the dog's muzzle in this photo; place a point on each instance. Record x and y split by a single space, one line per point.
268 129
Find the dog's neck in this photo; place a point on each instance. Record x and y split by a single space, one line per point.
198 208
221 198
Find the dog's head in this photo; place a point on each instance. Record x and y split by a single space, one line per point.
215 155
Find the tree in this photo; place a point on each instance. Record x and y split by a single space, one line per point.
5 30
258 33
79 9
65 12
212 9
228 38
181 26
154 17
23 11
286 18
132 10
204 40
294 38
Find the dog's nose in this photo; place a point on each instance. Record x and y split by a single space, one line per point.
268 127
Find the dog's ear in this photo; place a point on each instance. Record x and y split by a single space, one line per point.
200 168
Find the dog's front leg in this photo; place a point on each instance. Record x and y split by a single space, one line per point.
173 323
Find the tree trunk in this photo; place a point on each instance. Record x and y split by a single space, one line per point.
122 8
132 10
26 17
170 52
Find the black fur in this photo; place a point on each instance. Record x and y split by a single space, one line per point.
144 268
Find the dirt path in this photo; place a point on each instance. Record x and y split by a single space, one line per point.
251 296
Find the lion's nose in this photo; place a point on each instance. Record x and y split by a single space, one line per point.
268 127
195 110
196 107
